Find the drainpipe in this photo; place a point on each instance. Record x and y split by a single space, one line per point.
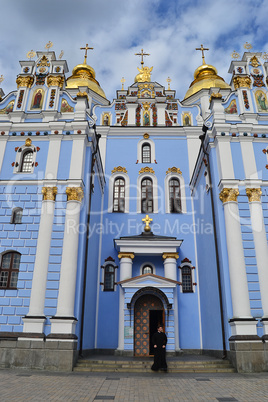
91 187
202 138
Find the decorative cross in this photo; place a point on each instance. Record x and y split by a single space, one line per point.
31 54
202 48
123 81
1 78
142 54
61 54
49 45
86 48
169 81
147 221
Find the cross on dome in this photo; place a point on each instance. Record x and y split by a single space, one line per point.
86 48
142 54
147 221
202 48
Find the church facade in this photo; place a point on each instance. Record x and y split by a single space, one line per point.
119 216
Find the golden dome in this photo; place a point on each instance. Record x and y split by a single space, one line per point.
206 77
83 75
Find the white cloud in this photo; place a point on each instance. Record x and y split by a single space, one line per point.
169 30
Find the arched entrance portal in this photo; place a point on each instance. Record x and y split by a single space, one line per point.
148 313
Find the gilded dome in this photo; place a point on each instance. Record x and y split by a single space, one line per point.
206 77
83 75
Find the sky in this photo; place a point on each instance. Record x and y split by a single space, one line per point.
170 30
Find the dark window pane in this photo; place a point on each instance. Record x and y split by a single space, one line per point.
146 196
147 270
9 270
146 153
174 196
187 279
109 277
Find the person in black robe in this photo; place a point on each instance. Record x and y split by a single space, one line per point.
159 341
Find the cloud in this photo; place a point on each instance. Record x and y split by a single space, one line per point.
168 30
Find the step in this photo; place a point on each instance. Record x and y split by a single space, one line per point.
198 366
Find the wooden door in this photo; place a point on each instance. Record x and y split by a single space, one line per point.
142 323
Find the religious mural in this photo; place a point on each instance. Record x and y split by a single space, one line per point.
106 119
37 99
65 107
232 108
261 101
186 119
8 108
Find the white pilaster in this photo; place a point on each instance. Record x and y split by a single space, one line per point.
131 107
237 267
161 118
260 241
64 321
2 150
34 321
121 319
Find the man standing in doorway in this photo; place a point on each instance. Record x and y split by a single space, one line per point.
159 342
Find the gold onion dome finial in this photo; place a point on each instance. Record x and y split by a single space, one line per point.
84 75
144 72
205 77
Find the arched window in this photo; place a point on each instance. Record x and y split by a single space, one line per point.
27 162
9 270
119 195
186 274
146 153
109 277
147 204
174 195
147 269
16 215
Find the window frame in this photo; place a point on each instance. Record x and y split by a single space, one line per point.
109 262
119 198
18 165
15 212
10 270
139 150
173 210
187 264
169 177
112 179
30 164
147 199
143 157
155 191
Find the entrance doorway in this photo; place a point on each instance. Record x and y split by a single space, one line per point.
148 313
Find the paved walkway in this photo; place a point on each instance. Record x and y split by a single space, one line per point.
21 385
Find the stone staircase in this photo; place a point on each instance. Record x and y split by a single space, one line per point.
178 365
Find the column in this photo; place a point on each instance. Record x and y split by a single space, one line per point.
242 322
170 265
35 319
125 265
64 321
125 273
261 249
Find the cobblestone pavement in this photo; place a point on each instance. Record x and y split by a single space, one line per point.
21 385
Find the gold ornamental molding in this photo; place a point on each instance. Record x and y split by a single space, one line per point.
254 194
49 193
254 62
170 255
74 193
242 82
146 136
28 142
55 81
126 255
146 170
173 170
81 94
120 169
24 81
229 194
215 95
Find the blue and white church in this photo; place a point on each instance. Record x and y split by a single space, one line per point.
117 216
